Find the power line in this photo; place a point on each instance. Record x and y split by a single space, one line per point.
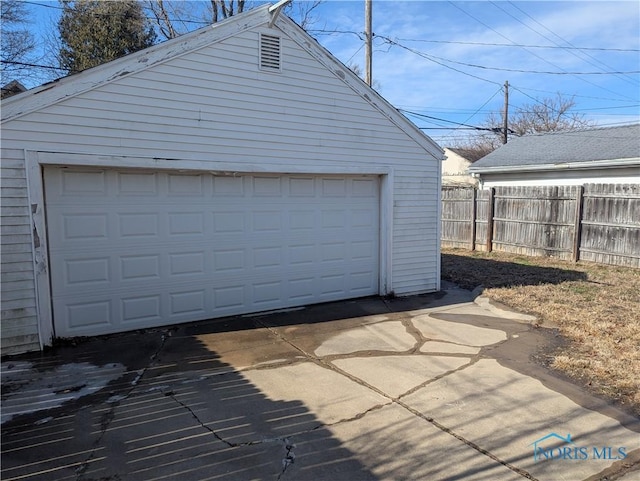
628 79
527 50
520 45
24 64
576 95
467 126
436 59
502 69
431 58
480 108
481 44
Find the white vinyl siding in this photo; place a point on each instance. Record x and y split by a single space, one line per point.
572 176
214 105
19 320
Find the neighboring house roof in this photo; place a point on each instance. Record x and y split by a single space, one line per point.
584 149
468 154
66 87
12 88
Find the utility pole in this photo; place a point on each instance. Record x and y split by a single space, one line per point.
505 119
368 77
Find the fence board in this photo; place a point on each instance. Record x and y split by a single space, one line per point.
611 224
457 216
535 220
599 223
482 215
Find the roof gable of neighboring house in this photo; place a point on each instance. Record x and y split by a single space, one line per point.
469 155
74 85
12 88
613 146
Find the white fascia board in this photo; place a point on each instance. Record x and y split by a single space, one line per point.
76 84
594 164
344 73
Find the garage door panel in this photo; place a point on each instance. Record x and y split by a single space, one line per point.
137 309
186 224
302 187
139 225
229 298
229 186
83 183
85 316
229 222
137 184
186 185
133 249
140 267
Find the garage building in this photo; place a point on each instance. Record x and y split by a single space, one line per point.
239 168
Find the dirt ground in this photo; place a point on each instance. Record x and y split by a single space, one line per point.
596 309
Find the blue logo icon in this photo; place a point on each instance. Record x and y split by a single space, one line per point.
553 446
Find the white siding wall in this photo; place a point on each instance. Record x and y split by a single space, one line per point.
618 175
215 105
19 322
454 170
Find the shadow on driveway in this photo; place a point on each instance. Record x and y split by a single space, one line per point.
176 412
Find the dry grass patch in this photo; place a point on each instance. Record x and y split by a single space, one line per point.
595 307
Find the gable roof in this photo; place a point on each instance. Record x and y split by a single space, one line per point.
604 147
12 88
50 93
467 154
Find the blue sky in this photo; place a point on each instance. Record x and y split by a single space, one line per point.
450 60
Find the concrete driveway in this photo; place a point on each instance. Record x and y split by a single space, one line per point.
433 387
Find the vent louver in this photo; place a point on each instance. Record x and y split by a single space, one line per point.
269 52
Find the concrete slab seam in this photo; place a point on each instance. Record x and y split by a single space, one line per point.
471 362
471 444
326 365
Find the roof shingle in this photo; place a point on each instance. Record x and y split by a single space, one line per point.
612 143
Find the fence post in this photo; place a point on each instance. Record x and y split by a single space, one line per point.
489 244
575 254
473 219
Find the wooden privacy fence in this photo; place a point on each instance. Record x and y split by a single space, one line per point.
595 222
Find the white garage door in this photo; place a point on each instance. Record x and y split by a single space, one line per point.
132 249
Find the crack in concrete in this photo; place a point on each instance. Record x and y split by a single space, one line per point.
287 460
379 353
356 417
108 417
324 363
289 457
172 395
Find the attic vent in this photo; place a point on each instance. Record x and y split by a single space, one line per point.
269 52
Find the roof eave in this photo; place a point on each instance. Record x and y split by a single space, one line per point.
583 165
358 85
72 85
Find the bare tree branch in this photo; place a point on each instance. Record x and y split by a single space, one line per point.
303 11
552 114
17 42
162 19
